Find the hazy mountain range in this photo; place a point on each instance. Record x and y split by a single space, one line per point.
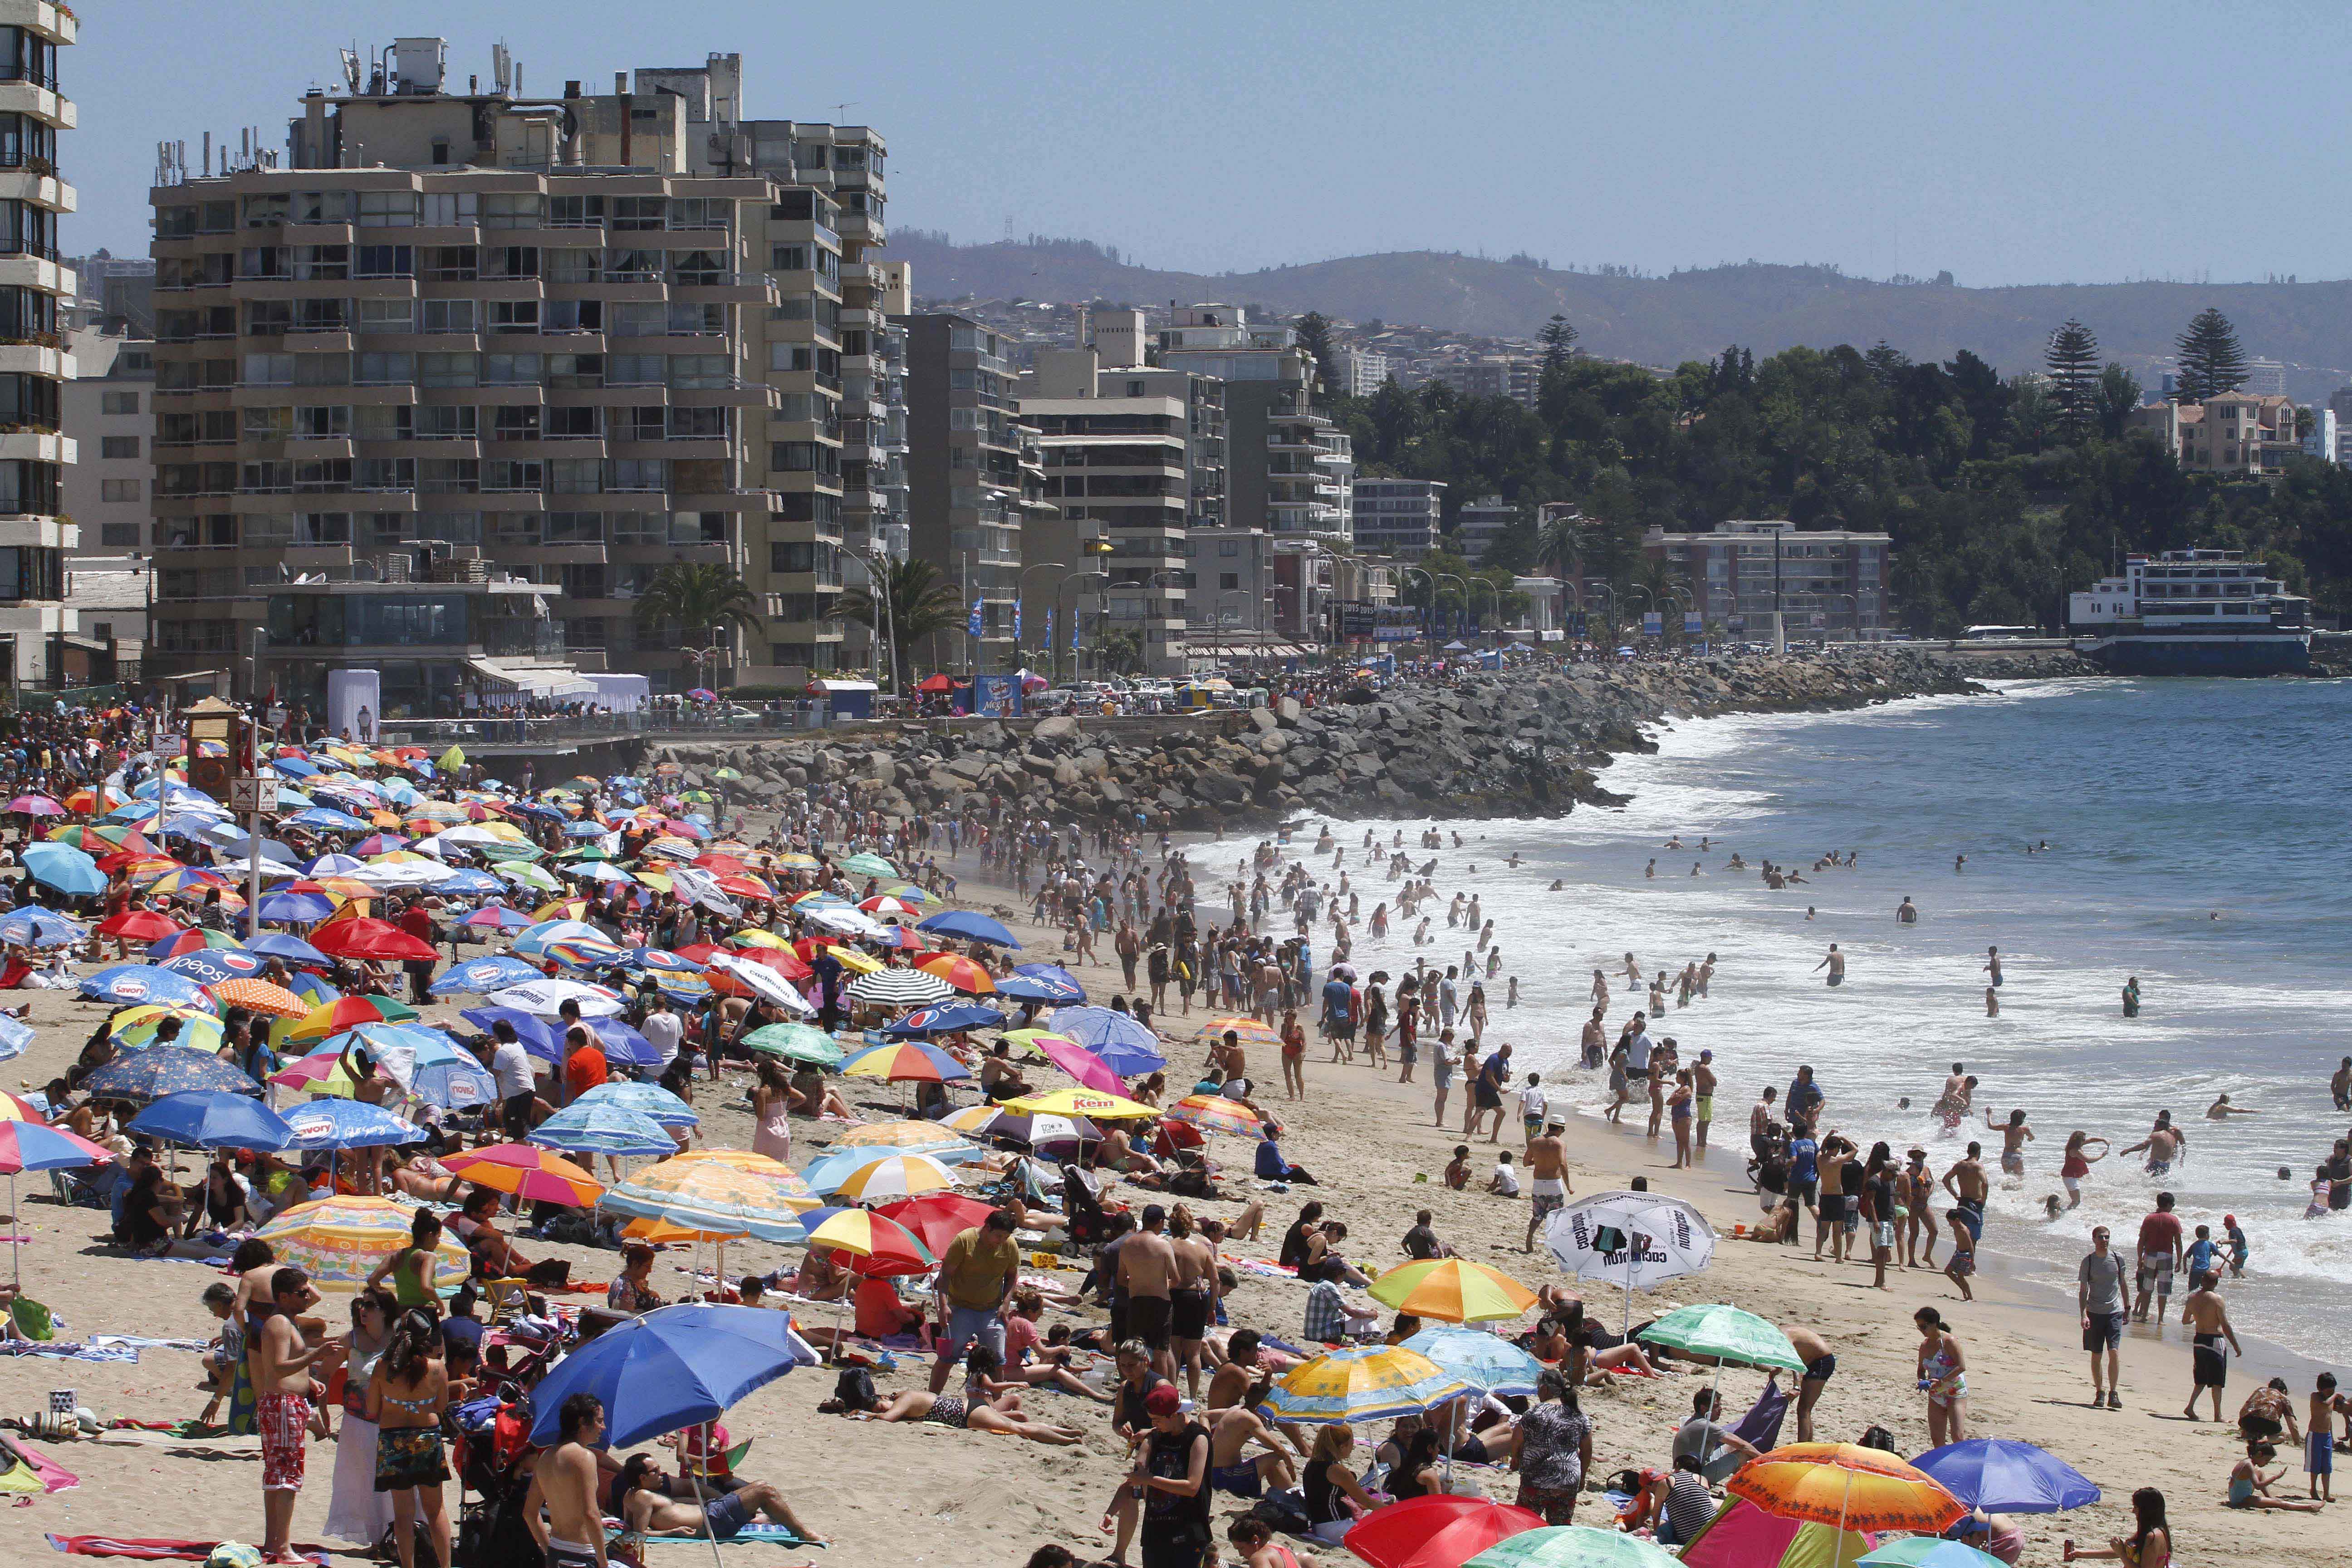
1687 315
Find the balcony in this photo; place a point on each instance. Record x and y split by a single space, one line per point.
38 188
44 104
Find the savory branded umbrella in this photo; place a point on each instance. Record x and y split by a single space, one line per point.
1362 1383
348 1124
338 1241
483 975
1453 1290
545 998
145 983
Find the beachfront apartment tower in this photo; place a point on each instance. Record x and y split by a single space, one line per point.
36 530
443 390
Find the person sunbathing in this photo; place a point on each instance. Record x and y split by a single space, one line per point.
809 1095
647 1509
1035 1364
949 1410
423 1176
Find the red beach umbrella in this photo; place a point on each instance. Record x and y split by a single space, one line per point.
368 938
1440 1532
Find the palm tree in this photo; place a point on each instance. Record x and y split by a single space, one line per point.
697 597
1120 653
914 604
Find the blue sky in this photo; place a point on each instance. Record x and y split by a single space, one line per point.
2013 143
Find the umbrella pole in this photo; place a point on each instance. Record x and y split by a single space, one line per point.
15 1276
1837 1547
710 1437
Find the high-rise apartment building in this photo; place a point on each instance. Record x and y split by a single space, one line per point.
1742 573
1356 373
35 289
107 412
1481 522
974 472
1399 517
443 392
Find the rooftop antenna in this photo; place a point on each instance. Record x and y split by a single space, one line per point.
839 107
351 69
501 66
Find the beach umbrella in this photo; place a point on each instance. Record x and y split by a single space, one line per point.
482 976
29 1143
909 1061
15 1035
886 1176
605 1128
364 938
795 1042
2000 1475
647 1099
712 1196
295 908
1926 1551
139 925
761 981
1100 1029
883 905
165 1069
896 988
213 1118
145 983
909 1137
965 974
260 996
868 864
182 943
1362 1383
137 1028
584 952
1478 1358
342 1016
312 989
970 925
1436 1532
1846 1485
877 1244
338 1241
546 999
937 1218
1037 1131
1633 1240
213 965
348 1124
945 1018
1572 1546
35 927
70 870
1214 1113
496 917
1084 1102
527 1172
36 805
1075 1059
1742 1535
1053 984
536 1033
1725 1333
1453 1290
1246 1031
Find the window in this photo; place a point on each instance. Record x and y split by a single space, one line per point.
383 261
449 209
449 315
639 212
575 528
689 373
788 258
119 490
575 370
789 356
512 370
576 476
514 316
388 209
322 263
633 369
119 447
576 212
1229 579
118 403
512 209
387 315
515 424
571 266
270 370
447 370
376 369
320 206
636 473
639 320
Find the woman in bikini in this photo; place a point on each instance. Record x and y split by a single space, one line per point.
406 1398
1943 1371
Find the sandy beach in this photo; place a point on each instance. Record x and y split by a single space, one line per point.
926 1494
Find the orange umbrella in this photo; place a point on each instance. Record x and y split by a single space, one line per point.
261 996
1849 1486
527 1172
958 971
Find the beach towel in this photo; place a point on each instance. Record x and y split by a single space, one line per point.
1761 1427
69 1351
765 1531
157 1548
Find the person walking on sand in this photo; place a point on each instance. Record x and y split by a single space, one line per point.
1441 1070
2209 1321
1834 963
1943 1373
1548 1187
2099 1296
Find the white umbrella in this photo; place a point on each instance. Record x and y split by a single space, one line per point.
545 998
1634 1240
899 988
848 922
763 982
697 886
401 874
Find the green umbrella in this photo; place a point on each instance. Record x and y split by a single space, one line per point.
796 1042
1724 1333
1573 1546
730 774
869 865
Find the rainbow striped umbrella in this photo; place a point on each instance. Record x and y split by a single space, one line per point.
889 1177
1214 1113
1246 1031
958 971
909 1061
344 1014
1453 1290
908 1138
882 1245
339 1242
1363 1382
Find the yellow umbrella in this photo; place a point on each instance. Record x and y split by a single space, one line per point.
857 963
338 1241
1090 1102
752 936
1453 1290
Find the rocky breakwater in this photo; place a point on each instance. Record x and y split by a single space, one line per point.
1521 743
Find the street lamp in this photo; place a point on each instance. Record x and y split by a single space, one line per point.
876 564
1020 592
1053 650
1451 576
1428 618
1489 587
1854 615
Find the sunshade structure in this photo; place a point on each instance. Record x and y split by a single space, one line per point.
1244 1030
938 1218
1572 1546
1436 1532
2002 1476
965 974
1480 1359
1071 1057
1214 1113
1742 1535
650 1101
898 988
135 1029
70 870
713 1196
971 926
38 927
876 1244
160 1070
480 976
133 982
908 1138
1087 1102
751 978
527 1172
213 1118
945 1018
585 1127
1362 1383
211 966
262 996
545 998
28 1143
1453 1290
361 937
889 1177
1045 983
1632 1240
909 1061
344 1013
1038 1132
348 1124
1925 1551
796 1042
1846 1485
868 865
338 1241
1725 1333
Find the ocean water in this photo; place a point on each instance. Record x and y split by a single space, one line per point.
2196 839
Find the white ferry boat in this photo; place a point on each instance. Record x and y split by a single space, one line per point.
2193 612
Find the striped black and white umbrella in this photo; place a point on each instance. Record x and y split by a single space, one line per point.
899 988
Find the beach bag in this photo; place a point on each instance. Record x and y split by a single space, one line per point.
1284 1512
233 1554
852 1387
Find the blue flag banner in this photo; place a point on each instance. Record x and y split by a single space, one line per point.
1074 633
1016 620
972 625
1049 628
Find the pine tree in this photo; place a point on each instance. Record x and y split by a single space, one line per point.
2212 362
1553 383
1558 342
1315 337
2072 364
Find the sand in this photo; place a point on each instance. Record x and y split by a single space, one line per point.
922 1494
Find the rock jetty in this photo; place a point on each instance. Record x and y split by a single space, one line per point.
1516 744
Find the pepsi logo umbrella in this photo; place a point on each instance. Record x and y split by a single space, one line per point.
215 965
948 1017
481 977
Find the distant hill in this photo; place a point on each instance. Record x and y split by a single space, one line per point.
1689 315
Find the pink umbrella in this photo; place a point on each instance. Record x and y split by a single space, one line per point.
36 805
1081 1064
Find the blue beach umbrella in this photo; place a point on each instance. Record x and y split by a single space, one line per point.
211 965
1053 984
147 983
296 908
538 1036
601 1127
65 868
15 1035
480 976
213 1118
1478 1358
2000 1476
1099 1027
292 949
348 1124
466 882
38 927
313 989
944 1018
160 1070
676 1367
334 866
970 925
624 1044
647 1099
